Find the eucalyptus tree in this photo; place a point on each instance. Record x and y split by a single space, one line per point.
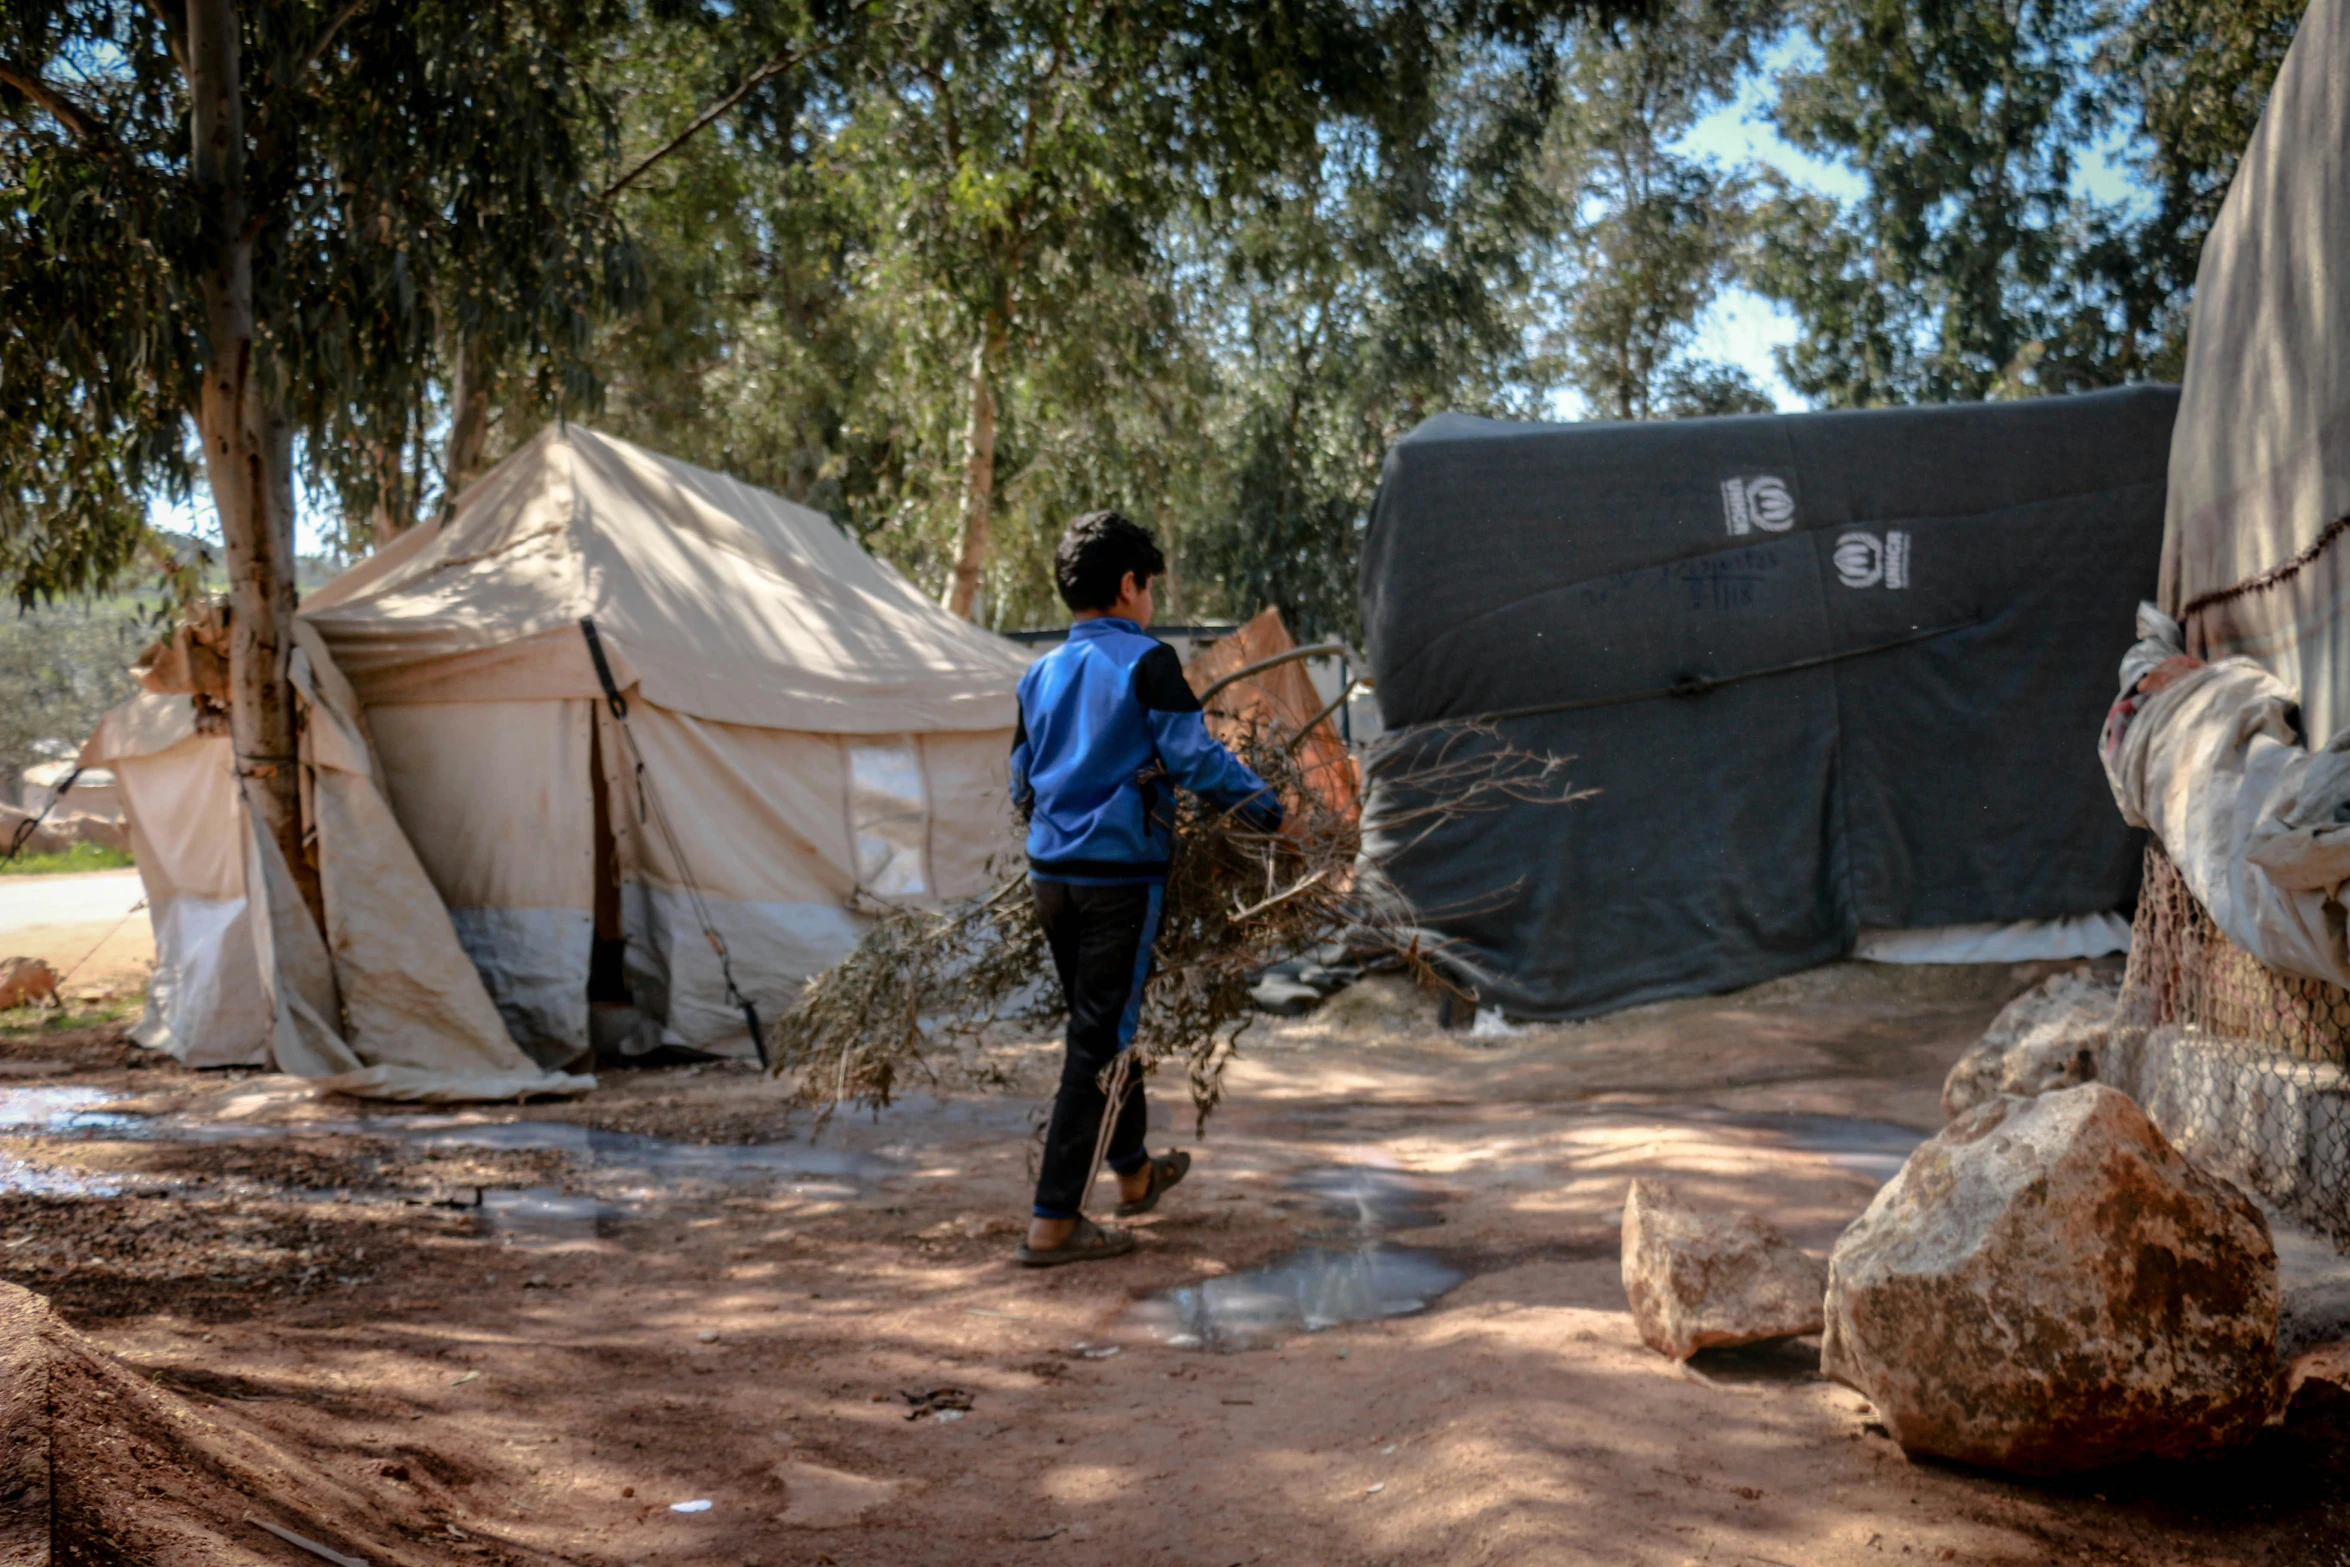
1014 153
1657 229
253 222
974 268
2189 78
1964 268
1026 159
1389 272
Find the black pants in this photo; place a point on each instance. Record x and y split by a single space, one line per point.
1101 942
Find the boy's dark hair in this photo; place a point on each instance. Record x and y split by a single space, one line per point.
1093 557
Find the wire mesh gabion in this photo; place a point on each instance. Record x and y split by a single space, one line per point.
2245 1066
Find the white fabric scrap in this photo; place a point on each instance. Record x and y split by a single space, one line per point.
2012 941
2258 825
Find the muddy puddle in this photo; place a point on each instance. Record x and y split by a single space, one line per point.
1368 1200
548 1215
1303 1292
55 1111
627 1172
1316 1287
658 1164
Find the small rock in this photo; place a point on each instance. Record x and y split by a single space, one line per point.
2317 1392
537 1281
1284 997
1383 1002
1704 1280
26 980
2045 1039
2049 1286
708 1335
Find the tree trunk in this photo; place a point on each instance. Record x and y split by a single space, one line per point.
247 447
469 421
392 512
1170 584
978 474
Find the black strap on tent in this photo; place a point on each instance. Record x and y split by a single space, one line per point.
1699 685
612 696
647 800
32 824
617 702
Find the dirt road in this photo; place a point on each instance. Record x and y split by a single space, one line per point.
658 1303
90 926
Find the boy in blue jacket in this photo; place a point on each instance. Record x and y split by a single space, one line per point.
1107 725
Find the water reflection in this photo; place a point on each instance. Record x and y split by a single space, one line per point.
1305 1291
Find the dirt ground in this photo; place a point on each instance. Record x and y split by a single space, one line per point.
90 927
528 1347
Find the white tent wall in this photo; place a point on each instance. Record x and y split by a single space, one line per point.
205 1002
497 799
973 834
791 840
384 1002
414 1019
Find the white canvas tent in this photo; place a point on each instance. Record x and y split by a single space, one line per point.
820 738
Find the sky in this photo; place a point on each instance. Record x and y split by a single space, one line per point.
1742 328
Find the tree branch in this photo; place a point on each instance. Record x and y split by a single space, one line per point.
703 121
175 30
325 40
60 108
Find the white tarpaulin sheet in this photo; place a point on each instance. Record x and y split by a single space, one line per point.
792 841
2260 459
2258 825
205 1003
2012 941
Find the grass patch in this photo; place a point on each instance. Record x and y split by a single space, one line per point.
19 1025
81 857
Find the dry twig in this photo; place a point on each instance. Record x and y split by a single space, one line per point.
926 982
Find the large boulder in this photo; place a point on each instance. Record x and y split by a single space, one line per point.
2045 1039
1699 1279
2049 1286
24 981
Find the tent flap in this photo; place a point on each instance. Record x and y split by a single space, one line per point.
386 1003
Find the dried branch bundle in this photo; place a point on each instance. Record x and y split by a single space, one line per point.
926 983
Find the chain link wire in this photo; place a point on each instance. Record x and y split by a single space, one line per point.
2244 1065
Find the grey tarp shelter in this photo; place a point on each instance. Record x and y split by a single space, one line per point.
1824 670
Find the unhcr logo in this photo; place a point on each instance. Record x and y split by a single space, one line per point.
1762 502
1863 560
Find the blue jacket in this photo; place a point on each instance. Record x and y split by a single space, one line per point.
1107 723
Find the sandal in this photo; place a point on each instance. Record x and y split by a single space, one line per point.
1088 1242
1166 1171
